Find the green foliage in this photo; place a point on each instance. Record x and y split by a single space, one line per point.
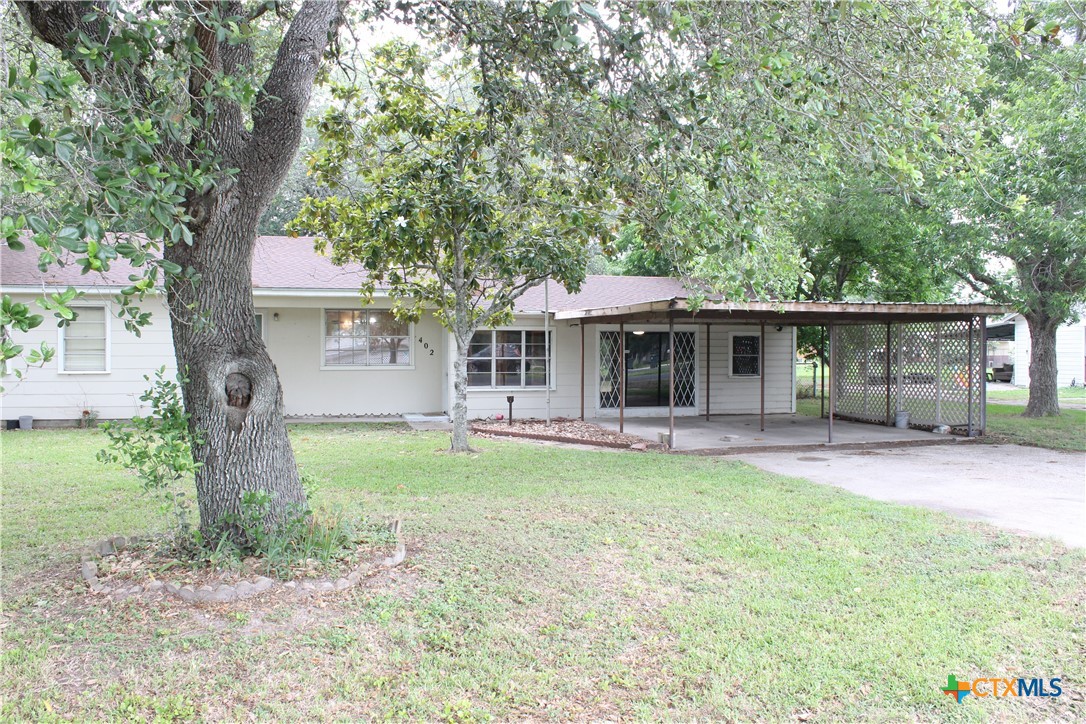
158 448
634 256
304 537
1025 204
711 121
107 140
446 207
866 242
16 317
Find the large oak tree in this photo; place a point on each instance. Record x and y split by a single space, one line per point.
177 122
1021 239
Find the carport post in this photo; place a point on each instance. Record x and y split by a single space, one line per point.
969 384
833 363
670 382
938 373
761 374
621 375
889 421
582 369
984 370
822 364
708 368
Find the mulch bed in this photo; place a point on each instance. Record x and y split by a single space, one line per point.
565 430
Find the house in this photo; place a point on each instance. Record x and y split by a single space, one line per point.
1013 332
336 358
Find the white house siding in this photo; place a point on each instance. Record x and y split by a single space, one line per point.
730 395
742 395
532 401
48 394
296 343
1070 353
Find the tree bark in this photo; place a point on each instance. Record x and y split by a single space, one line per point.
460 389
232 390
1043 389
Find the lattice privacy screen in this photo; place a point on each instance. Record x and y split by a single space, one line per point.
610 370
932 370
685 369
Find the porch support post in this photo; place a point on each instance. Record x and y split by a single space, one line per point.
670 382
833 364
708 367
969 383
621 375
889 420
761 376
583 324
822 364
938 373
983 321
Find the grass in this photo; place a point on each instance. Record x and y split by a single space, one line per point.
1006 425
545 583
1073 395
1065 432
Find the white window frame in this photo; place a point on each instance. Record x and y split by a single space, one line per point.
61 347
731 354
263 314
322 338
551 377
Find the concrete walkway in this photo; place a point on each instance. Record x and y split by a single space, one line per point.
722 432
1024 490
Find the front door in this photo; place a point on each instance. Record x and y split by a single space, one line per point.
648 378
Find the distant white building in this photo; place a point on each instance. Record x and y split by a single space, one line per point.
1070 348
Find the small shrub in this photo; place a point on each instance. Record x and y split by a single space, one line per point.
303 538
158 448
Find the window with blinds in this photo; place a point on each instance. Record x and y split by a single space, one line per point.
85 342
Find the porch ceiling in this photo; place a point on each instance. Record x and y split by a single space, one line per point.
790 313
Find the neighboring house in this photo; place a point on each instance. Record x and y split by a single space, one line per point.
336 358
1070 348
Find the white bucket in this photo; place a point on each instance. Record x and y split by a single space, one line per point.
901 419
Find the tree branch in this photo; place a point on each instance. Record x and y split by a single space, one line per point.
281 105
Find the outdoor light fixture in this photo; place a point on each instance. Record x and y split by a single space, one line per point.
639 332
276 316
509 399
780 328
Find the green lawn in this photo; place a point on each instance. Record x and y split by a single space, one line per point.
1073 395
1006 425
546 583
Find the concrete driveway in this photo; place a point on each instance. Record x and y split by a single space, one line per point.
1021 489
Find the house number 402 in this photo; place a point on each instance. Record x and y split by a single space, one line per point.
426 346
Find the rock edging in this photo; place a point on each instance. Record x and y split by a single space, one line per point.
227 593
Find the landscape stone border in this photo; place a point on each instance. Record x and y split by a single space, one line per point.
226 593
637 446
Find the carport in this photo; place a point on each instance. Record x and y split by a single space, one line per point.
923 364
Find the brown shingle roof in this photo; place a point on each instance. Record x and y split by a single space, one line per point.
603 291
281 262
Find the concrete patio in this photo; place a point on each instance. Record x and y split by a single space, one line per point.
725 434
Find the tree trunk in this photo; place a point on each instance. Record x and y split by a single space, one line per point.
460 388
1043 390
233 393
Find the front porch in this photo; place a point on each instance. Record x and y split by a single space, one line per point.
918 365
727 434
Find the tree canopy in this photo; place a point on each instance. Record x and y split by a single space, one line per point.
1020 238
454 212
